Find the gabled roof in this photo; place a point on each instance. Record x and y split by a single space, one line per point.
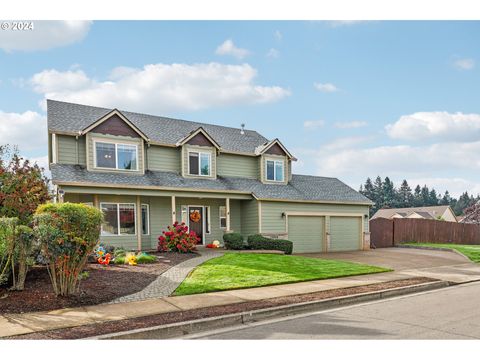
190 136
433 211
70 119
260 150
301 188
108 116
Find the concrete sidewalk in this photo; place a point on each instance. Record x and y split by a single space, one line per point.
18 324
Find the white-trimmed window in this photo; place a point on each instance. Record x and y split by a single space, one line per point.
119 219
222 211
274 170
199 163
118 156
145 219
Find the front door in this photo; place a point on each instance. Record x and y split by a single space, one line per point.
195 221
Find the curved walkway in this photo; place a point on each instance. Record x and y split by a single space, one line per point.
167 282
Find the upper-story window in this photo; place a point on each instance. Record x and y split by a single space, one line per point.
199 163
274 170
116 156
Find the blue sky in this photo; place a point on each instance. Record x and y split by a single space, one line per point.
349 99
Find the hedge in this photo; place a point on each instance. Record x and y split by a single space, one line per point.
233 241
259 242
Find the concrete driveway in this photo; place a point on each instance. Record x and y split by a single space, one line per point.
443 265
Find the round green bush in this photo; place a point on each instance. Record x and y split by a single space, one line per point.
68 233
233 241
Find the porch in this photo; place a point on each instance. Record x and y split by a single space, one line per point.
136 221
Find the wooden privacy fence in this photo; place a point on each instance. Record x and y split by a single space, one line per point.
391 232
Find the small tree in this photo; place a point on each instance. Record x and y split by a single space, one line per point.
23 187
68 233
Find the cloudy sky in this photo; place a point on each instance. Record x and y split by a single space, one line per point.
349 99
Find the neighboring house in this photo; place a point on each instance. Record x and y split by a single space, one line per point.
426 212
146 172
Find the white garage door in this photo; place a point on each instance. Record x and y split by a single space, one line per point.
306 233
345 233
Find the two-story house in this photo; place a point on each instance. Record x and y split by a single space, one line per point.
146 172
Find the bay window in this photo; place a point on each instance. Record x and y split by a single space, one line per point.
116 156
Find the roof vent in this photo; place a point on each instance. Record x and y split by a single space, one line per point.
243 129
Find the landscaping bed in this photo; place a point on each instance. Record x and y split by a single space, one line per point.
179 316
237 271
470 251
104 284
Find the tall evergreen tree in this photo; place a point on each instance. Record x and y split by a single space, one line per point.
368 190
433 198
404 195
425 195
389 196
417 196
378 193
446 199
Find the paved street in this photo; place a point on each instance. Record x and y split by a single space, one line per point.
451 313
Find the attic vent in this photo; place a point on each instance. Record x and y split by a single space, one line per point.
243 129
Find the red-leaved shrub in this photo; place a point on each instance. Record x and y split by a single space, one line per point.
178 238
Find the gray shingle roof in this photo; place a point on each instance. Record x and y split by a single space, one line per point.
301 187
72 118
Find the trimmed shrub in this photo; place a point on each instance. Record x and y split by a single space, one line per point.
233 241
144 258
178 239
120 252
68 233
259 242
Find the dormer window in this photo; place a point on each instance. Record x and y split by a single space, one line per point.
274 170
199 163
116 156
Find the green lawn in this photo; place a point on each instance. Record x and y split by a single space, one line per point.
470 251
237 271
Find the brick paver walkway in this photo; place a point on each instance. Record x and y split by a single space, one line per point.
167 282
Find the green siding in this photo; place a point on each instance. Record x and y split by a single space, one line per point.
128 140
237 166
307 233
67 150
249 217
273 222
187 148
162 158
160 217
345 233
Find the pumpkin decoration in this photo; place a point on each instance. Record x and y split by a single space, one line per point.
195 216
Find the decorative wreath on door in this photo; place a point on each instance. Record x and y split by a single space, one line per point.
195 216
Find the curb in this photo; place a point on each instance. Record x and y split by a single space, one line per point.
433 248
180 329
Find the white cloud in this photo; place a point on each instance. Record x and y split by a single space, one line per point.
229 48
278 35
160 88
273 53
313 124
45 35
464 64
27 130
350 124
326 87
438 125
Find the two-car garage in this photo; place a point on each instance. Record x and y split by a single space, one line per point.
309 233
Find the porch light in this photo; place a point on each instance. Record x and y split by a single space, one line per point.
283 214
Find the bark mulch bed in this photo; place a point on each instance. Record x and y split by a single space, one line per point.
179 316
104 284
